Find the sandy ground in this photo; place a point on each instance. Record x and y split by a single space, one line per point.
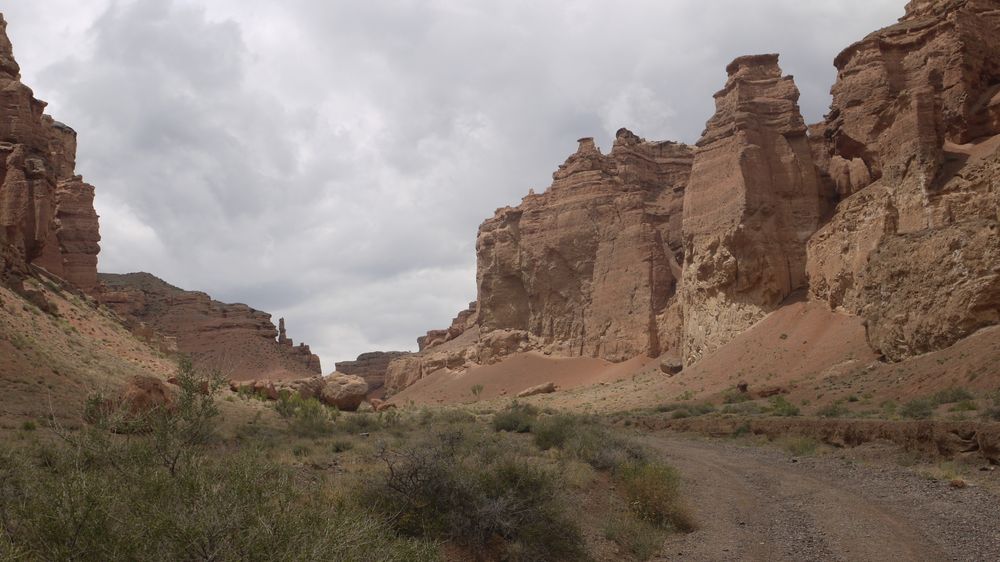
755 503
813 355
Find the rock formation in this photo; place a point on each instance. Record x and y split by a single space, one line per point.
46 211
371 367
591 265
462 322
342 391
911 145
751 205
235 339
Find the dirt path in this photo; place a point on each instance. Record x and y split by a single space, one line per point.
757 504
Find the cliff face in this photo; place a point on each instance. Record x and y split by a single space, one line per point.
239 341
888 210
752 203
370 366
911 144
591 266
46 211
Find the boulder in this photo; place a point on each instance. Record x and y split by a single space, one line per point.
345 392
545 388
671 366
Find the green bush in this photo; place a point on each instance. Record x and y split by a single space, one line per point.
306 417
799 446
919 409
445 490
653 492
734 396
951 395
780 406
686 410
516 417
964 406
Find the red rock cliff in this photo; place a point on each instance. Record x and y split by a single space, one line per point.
751 205
590 267
46 211
235 339
911 143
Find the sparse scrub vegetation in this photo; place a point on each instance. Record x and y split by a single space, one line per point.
516 417
951 395
799 446
833 410
919 409
653 492
780 406
642 539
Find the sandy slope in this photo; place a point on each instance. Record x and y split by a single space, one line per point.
816 355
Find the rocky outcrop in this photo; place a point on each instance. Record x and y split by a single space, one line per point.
234 339
46 211
371 367
911 145
590 267
339 390
462 322
751 205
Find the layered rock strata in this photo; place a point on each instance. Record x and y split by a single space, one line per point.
46 211
911 144
370 366
591 266
462 322
234 339
751 205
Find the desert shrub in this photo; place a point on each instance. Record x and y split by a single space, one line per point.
743 408
889 408
780 406
964 406
553 431
359 422
919 409
734 396
596 446
653 492
687 410
306 417
341 445
477 390
168 494
642 539
951 395
833 410
516 417
443 489
29 425
456 416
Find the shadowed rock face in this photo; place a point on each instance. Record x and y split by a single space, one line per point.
911 144
235 339
46 211
751 205
590 267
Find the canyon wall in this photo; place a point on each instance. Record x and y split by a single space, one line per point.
370 366
46 211
911 144
889 209
751 205
590 267
238 341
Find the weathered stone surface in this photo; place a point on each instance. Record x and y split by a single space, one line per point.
462 322
544 388
345 392
913 149
751 205
235 339
591 265
370 366
46 211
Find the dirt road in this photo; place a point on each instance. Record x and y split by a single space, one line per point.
753 503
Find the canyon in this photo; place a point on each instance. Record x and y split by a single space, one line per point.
886 211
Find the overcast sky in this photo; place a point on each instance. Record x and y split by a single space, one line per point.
329 161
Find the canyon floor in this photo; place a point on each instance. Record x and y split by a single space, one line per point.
762 503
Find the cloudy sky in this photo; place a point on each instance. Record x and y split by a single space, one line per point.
329 161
